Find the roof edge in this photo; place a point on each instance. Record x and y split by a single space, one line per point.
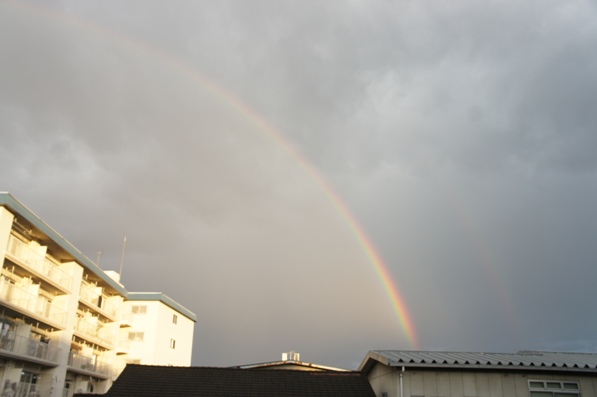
521 361
304 364
14 205
7 200
165 299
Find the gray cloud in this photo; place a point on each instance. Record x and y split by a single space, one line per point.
460 136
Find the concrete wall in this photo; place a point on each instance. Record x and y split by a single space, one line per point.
164 342
174 341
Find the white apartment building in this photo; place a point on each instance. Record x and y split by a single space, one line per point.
67 326
159 331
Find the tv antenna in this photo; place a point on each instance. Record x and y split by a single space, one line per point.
122 258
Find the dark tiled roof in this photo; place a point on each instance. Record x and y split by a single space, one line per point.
158 381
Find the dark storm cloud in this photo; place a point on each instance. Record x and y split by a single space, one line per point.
460 135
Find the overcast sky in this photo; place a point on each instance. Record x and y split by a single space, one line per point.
461 135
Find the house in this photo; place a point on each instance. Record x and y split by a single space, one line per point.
291 360
162 381
65 324
397 373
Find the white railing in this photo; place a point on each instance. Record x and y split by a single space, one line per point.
88 363
40 264
95 330
91 295
126 318
123 345
37 304
28 347
27 390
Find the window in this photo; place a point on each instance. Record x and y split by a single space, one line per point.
553 388
136 336
138 309
174 318
67 386
28 384
172 344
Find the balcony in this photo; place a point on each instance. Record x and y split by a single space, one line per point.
85 364
95 331
39 265
35 306
93 298
123 346
126 319
28 348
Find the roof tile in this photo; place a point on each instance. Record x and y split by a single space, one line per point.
160 381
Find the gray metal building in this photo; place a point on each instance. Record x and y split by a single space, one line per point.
394 373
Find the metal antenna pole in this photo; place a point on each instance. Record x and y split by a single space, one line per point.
122 258
99 253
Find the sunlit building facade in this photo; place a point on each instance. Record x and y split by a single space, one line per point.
67 326
159 333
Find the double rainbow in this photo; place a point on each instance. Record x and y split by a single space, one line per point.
380 268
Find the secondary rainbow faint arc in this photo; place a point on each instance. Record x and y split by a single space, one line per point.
381 269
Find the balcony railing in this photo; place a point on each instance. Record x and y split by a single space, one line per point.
123 346
40 264
28 347
88 363
27 390
36 304
126 319
96 331
91 295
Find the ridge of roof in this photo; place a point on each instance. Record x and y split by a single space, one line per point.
158 381
522 360
281 363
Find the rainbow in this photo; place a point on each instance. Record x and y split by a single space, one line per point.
487 259
381 269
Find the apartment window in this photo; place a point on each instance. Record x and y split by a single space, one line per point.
553 388
67 387
172 344
28 384
174 318
136 336
139 309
